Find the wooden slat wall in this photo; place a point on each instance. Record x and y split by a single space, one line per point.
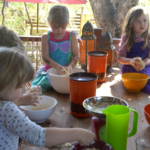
33 49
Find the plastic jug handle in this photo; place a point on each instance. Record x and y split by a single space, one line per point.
135 123
105 111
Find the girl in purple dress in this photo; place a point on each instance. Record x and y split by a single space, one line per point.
135 44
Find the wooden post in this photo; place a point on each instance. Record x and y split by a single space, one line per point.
28 17
3 13
98 34
37 17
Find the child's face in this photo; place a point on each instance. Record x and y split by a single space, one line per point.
140 25
58 32
14 94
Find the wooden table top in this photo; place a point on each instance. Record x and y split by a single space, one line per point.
113 86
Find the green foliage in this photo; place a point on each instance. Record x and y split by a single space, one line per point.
15 15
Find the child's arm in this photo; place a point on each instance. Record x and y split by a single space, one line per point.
75 51
56 136
45 55
147 61
122 52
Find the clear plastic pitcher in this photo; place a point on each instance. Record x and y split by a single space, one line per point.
117 121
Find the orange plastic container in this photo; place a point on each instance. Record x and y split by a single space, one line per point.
82 86
97 63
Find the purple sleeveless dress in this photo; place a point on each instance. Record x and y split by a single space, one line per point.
136 51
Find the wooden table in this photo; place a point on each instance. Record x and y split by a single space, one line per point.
113 86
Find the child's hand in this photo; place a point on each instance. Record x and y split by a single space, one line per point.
138 63
69 69
85 137
34 89
60 70
30 99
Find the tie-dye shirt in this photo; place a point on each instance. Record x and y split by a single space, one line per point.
14 124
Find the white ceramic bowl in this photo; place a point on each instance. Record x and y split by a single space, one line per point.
61 83
46 106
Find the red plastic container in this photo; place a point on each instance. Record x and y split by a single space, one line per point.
97 63
82 86
147 113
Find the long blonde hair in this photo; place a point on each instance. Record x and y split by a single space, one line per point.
10 39
58 16
16 69
133 14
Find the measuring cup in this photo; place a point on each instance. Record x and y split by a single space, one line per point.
117 121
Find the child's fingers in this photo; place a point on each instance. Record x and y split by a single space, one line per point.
36 93
39 89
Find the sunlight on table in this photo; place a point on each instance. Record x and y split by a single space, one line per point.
105 89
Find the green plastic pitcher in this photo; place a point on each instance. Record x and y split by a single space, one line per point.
117 121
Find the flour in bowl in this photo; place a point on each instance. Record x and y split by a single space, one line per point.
40 107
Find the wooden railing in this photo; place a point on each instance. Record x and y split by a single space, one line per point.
33 49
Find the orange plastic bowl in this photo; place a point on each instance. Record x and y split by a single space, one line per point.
147 113
134 82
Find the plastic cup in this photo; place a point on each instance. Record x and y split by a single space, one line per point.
143 143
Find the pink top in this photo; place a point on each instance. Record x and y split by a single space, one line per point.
65 38
122 52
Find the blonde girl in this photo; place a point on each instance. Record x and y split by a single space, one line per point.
59 46
133 50
16 70
10 39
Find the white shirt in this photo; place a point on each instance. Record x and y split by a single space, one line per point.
14 124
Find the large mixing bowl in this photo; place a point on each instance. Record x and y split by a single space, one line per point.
95 105
60 83
134 82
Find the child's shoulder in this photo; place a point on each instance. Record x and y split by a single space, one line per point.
75 34
124 37
45 36
8 105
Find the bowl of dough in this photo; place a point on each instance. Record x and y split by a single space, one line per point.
42 111
61 83
134 82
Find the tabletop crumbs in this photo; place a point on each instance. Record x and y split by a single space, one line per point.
67 144
90 149
142 121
